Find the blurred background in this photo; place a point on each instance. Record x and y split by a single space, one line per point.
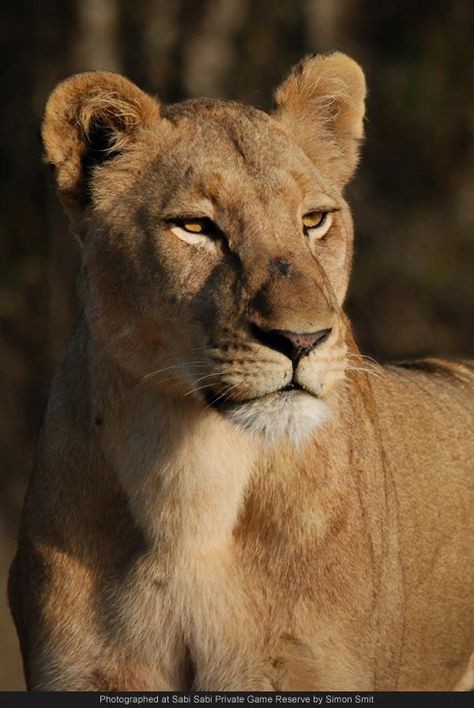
413 287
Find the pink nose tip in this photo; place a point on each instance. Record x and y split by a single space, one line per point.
306 340
294 345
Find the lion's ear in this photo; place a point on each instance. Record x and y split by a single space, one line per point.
321 103
90 118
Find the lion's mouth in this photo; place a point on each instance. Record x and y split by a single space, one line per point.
293 386
219 402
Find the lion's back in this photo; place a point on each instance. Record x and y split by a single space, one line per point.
426 417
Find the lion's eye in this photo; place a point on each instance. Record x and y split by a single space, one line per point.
200 225
317 223
194 227
194 230
313 219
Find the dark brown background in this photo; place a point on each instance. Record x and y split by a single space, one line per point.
412 290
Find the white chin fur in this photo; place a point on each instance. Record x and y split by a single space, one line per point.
292 416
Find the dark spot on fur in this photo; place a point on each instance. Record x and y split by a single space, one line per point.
98 420
279 266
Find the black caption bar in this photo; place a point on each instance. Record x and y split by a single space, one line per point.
113 700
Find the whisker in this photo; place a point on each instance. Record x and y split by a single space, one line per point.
199 388
224 395
183 365
129 391
194 390
102 351
145 378
365 370
206 376
365 358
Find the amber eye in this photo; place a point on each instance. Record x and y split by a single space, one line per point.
195 229
313 219
195 226
317 223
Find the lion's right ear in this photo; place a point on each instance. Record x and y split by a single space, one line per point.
89 118
322 104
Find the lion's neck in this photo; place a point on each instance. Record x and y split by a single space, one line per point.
184 470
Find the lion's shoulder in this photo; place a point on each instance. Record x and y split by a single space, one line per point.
447 369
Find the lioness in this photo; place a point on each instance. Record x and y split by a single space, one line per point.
226 494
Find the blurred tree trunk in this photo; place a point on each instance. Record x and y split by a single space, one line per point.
94 45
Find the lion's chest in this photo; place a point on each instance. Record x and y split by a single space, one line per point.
216 622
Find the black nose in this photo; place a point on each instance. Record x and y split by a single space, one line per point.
294 345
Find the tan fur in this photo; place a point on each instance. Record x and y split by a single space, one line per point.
189 525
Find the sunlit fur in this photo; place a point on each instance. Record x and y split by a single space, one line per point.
281 416
190 525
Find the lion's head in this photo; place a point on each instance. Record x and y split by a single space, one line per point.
216 240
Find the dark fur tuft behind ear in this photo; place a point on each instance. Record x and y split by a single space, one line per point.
322 104
89 119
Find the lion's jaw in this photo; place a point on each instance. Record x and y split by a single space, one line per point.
276 401
290 416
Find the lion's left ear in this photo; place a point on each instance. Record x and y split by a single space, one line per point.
89 119
321 103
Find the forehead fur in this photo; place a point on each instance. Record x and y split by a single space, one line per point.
233 152
231 129
219 151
